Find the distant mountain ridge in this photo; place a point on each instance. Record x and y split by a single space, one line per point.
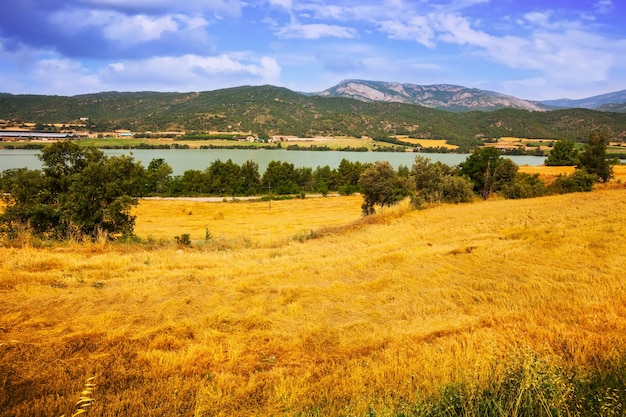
448 97
607 102
458 98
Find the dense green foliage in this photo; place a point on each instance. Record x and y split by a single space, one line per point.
268 110
594 158
381 185
524 186
488 171
563 153
579 181
436 182
79 193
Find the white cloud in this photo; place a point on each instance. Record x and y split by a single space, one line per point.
127 29
604 6
230 7
315 31
286 4
193 72
417 28
63 76
562 54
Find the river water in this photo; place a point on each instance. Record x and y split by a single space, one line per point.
182 160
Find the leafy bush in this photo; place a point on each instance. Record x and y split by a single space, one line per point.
524 186
578 181
184 239
437 182
457 189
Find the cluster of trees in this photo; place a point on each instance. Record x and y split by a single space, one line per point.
280 178
483 173
80 192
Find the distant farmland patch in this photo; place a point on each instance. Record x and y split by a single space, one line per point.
428 143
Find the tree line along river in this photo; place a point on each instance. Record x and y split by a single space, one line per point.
182 160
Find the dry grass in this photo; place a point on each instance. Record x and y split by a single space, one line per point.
428 143
334 142
257 223
372 316
550 173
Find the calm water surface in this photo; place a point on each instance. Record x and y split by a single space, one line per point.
182 160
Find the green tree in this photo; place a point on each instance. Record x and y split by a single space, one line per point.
593 158
488 171
324 179
158 176
457 189
224 177
348 174
80 192
564 153
250 178
192 182
281 177
437 182
381 185
428 178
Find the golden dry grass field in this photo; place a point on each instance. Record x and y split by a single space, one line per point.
428 143
307 309
335 142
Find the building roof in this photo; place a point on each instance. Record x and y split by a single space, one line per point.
29 134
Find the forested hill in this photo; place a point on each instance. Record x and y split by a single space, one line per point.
269 110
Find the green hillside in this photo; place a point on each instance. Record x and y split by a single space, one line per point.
272 110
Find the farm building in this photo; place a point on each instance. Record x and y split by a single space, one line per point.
13 135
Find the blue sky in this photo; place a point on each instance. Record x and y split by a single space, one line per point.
532 49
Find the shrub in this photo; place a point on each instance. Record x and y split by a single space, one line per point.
184 239
524 186
457 189
579 181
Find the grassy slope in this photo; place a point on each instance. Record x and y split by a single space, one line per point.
373 316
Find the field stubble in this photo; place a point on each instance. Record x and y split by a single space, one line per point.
308 309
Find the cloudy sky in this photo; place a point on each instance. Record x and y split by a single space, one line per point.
532 49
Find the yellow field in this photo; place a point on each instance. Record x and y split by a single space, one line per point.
359 317
549 173
335 142
258 223
428 143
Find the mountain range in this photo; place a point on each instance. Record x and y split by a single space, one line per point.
459 99
268 110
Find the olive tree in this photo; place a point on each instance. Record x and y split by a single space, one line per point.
488 171
80 192
381 185
437 182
